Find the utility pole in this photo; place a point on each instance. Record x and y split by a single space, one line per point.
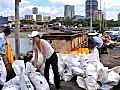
91 16
17 30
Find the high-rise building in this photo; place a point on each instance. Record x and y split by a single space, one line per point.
88 6
29 17
98 15
39 18
35 10
119 16
46 18
69 11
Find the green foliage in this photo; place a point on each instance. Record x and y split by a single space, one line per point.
85 22
27 21
111 23
40 23
68 21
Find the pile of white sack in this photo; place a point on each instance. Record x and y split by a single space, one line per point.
89 70
26 78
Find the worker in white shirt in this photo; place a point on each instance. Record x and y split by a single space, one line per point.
49 55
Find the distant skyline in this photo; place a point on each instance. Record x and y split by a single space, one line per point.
56 7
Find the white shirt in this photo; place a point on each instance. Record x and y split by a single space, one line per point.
47 49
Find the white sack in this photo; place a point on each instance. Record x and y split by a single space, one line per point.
13 84
61 64
37 61
106 87
3 72
81 82
25 83
11 87
51 75
77 71
116 69
67 75
40 60
113 78
90 70
91 83
38 81
30 68
17 66
72 60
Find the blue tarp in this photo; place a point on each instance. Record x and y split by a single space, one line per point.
3 20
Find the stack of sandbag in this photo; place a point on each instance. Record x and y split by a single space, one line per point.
39 82
95 71
26 78
73 63
21 81
110 79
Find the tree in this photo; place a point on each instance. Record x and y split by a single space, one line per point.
85 22
27 21
68 21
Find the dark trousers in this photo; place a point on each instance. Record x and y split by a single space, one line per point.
53 60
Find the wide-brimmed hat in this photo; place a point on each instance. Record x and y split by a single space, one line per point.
98 40
34 33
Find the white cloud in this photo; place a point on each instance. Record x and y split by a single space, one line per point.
44 10
70 2
111 7
6 7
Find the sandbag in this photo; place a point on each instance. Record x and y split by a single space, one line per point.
19 69
17 66
25 83
67 75
81 82
13 84
3 72
77 71
106 87
38 81
39 60
113 78
30 68
61 64
89 66
12 87
51 75
91 83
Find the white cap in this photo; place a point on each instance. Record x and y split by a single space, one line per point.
34 33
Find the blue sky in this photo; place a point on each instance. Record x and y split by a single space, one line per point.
56 7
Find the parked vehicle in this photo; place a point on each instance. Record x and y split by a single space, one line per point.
113 34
